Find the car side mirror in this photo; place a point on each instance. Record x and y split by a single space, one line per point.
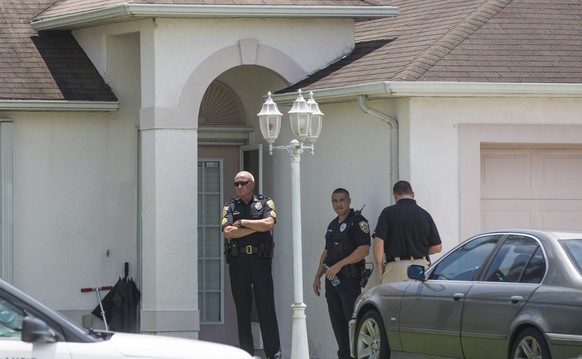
416 272
35 330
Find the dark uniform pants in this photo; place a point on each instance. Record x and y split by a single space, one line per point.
246 270
340 304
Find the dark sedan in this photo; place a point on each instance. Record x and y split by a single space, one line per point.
505 294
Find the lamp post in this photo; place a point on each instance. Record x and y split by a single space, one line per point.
306 120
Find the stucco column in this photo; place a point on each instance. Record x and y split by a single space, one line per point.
169 224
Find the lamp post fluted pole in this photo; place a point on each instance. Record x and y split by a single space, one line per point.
306 120
299 343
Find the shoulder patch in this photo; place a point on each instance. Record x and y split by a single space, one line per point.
271 205
364 226
224 210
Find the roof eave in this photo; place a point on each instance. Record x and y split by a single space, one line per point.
387 89
126 12
58 106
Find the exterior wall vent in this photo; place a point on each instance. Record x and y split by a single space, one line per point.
220 106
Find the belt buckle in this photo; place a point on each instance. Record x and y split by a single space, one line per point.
249 249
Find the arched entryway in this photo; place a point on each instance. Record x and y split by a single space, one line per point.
227 142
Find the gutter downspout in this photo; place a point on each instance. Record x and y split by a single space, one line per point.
393 123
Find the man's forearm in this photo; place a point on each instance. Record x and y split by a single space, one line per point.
320 271
379 252
233 232
258 225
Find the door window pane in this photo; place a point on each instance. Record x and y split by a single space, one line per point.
210 241
536 269
510 261
212 248
213 305
466 261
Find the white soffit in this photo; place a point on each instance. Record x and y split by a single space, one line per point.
127 12
46 105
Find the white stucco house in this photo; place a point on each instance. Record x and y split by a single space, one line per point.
123 123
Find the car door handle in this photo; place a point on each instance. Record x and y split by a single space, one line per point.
516 299
458 296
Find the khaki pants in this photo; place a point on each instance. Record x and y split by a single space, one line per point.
397 271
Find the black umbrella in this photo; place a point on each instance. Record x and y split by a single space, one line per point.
121 304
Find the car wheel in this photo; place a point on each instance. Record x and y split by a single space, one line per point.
371 341
530 344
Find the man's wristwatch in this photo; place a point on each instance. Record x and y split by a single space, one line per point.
239 222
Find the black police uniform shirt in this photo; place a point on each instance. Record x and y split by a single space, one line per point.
341 239
259 207
407 230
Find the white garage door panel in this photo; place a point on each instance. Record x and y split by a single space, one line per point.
536 173
562 218
497 218
565 171
556 214
505 175
533 187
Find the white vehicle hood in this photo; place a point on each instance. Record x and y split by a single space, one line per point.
153 346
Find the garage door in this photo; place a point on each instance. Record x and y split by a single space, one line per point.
532 187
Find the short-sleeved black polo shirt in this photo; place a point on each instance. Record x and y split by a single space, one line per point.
407 230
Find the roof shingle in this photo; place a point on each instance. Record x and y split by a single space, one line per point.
519 41
45 66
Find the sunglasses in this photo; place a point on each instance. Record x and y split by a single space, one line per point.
241 183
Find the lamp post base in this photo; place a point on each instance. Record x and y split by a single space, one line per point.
299 344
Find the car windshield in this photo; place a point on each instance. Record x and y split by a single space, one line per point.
573 248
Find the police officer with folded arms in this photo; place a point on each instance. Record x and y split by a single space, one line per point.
247 222
347 243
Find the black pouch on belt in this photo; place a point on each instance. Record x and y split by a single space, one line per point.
233 249
266 250
230 250
262 250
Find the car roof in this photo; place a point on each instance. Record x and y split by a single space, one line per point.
555 233
567 235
